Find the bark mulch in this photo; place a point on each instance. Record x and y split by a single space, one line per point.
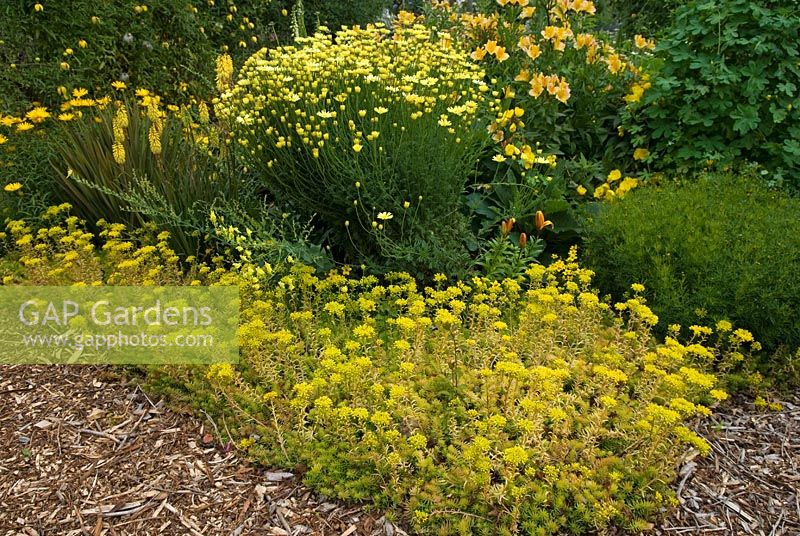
82 452
749 482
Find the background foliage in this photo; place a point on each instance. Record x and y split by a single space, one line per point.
643 17
168 46
726 88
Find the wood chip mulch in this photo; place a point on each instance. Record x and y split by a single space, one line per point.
84 453
749 482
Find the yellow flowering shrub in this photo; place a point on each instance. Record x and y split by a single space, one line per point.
547 60
558 88
373 131
522 405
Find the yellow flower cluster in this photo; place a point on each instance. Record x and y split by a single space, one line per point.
537 46
522 387
615 186
363 360
359 90
518 34
637 89
555 85
118 127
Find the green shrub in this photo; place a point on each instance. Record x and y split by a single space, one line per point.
83 43
25 162
726 89
723 247
335 14
376 133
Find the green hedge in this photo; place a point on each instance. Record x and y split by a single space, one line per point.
723 247
646 17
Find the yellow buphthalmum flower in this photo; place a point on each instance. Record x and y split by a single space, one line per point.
12 187
38 114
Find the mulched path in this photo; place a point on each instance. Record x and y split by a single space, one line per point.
82 452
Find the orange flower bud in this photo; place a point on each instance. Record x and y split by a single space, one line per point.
540 222
523 240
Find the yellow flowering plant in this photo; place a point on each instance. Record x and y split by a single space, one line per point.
481 407
168 45
558 90
484 406
25 151
374 132
134 162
